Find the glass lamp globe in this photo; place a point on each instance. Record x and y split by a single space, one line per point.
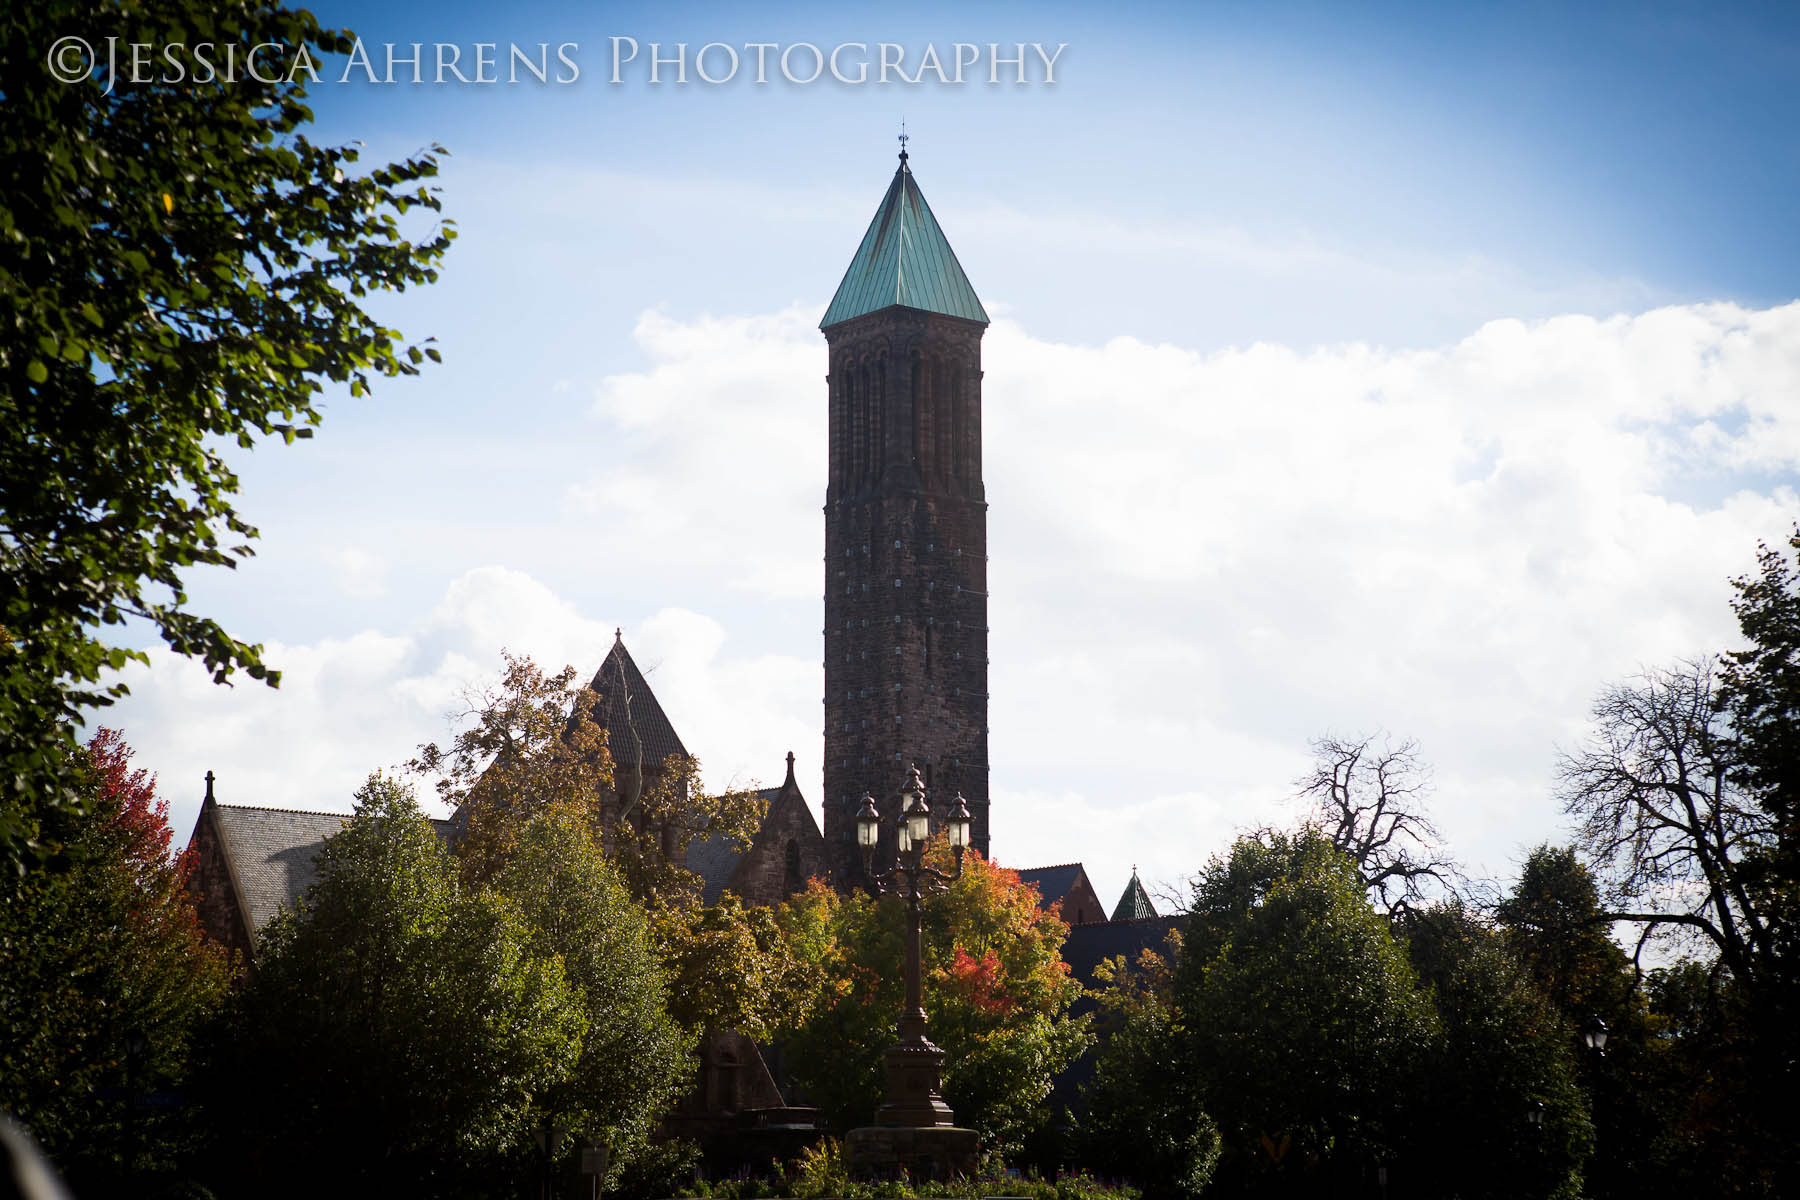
960 823
918 820
868 823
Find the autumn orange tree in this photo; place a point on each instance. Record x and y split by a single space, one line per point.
996 991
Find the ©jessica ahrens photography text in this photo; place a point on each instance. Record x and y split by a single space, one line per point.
113 61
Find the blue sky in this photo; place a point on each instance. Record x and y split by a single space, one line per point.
1397 366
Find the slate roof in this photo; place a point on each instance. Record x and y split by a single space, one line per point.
1134 904
627 703
1052 883
904 260
273 852
715 858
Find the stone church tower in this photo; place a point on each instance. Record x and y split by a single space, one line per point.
906 679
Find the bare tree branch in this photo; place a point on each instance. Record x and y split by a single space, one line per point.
1369 800
1659 817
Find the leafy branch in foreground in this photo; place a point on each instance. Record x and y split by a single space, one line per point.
181 270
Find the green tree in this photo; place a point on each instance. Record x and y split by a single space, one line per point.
634 1061
1759 690
1557 928
1143 1119
1306 1030
181 269
1506 1056
400 1033
732 968
996 992
106 977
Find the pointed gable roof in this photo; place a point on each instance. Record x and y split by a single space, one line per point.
270 855
904 260
1135 904
1066 884
638 732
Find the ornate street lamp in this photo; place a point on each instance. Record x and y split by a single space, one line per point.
915 1067
1594 1034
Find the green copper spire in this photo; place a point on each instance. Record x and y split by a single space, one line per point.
904 260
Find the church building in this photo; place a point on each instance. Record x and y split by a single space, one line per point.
905 630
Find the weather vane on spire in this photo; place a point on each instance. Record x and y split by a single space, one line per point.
903 139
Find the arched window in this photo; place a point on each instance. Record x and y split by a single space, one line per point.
794 881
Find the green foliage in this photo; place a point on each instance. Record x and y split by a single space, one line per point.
1505 1052
1759 688
823 1174
181 270
634 1062
1230 886
106 978
996 993
1143 1120
1556 927
1307 1029
731 968
399 1032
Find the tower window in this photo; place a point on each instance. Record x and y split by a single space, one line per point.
896 543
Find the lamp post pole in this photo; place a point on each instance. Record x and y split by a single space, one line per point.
914 1065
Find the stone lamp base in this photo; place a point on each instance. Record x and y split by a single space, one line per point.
936 1152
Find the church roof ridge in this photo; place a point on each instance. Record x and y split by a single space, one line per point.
904 261
305 812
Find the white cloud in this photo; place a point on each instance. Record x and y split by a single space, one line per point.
349 706
1199 562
